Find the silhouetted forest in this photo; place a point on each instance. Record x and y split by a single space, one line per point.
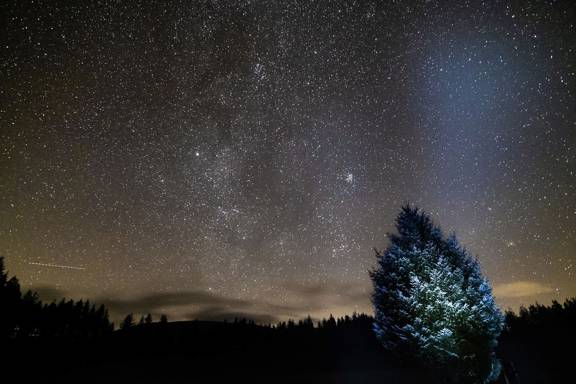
537 345
74 341
24 315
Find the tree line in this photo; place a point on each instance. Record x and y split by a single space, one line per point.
23 315
539 319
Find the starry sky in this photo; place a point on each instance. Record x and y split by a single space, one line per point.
208 159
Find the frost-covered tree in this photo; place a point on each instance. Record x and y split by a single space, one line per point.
431 302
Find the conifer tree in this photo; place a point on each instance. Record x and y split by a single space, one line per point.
431 302
10 302
128 322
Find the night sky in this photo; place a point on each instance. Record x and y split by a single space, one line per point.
212 159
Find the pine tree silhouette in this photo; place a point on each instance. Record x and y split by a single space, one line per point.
10 296
128 322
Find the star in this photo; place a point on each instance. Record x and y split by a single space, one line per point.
249 153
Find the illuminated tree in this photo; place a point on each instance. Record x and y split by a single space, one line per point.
431 302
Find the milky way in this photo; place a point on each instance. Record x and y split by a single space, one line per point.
211 158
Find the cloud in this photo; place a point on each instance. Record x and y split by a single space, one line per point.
300 300
48 293
215 313
320 296
205 306
154 302
520 289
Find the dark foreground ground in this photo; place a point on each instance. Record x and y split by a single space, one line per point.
211 352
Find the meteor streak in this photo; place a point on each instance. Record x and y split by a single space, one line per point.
56 266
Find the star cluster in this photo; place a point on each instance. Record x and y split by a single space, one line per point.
211 158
